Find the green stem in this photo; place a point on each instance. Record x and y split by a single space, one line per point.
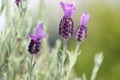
64 45
64 54
31 68
77 47
70 68
61 57
23 14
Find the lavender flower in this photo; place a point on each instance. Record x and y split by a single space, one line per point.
82 29
17 2
36 38
66 23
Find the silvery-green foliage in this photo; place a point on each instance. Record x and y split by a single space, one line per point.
97 63
65 68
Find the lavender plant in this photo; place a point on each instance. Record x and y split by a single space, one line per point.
34 45
66 31
43 62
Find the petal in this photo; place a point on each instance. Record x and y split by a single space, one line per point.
68 8
39 28
39 33
32 36
84 19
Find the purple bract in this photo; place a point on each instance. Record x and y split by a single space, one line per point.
68 8
39 33
84 19
36 38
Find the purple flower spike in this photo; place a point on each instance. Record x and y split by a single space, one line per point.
84 19
68 8
36 38
66 24
82 29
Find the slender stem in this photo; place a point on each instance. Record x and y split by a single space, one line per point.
31 59
98 61
94 72
64 54
24 13
31 67
70 68
77 47
64 45
64 50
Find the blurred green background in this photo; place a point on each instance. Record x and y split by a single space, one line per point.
103 35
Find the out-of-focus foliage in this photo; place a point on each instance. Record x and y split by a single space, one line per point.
14 41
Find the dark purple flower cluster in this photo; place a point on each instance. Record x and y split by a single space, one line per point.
33 47
18 2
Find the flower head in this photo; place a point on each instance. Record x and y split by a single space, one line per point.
68 8
82 29
36 38
66 24
17 2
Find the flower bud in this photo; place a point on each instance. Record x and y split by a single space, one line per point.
82 29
